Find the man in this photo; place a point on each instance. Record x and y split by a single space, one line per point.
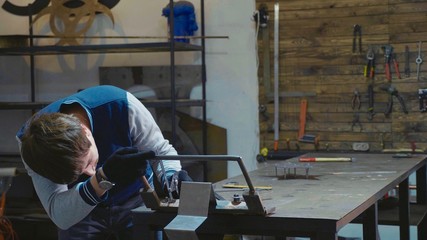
86 154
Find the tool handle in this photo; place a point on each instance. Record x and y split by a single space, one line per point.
389 107
387 71
302 118
396 67
325 159
402 104
372 72
145 182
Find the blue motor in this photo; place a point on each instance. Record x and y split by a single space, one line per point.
184 19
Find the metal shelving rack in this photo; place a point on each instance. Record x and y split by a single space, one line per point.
170 46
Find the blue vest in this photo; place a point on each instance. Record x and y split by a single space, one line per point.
107 108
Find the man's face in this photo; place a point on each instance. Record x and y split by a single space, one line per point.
90 160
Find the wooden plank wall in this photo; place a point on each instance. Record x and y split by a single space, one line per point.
316 58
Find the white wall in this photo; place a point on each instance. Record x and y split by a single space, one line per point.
232 86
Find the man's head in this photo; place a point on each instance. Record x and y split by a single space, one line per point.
56 146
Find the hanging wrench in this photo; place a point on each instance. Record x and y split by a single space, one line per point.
419 60
407 64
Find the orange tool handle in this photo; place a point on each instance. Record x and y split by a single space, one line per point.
387 71
396 67
302 117
372 72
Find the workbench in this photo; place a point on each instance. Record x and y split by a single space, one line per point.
315 206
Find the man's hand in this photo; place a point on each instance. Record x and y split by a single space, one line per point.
126 165
175 183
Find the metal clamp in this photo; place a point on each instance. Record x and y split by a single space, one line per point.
252 199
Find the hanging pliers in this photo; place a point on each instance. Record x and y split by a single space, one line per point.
356 122
355 101
392 91
369 69
389 57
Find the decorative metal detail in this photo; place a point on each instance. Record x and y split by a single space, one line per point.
39 5
71 19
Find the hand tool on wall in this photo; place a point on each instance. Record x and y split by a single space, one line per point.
407 63
357 38
369 70
389 57
302 137
392 91
355 101
371 112
302 118
419 60
422 97
356 122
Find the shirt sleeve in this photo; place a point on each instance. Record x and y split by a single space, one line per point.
64 206
146 135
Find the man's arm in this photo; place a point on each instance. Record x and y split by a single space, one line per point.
146 135
64 206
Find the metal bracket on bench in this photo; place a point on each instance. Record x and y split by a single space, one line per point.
252 199
192 211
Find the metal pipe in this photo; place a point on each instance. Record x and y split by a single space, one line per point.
276 75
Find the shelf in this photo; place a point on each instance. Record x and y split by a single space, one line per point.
101 48
178 103
22 45
147 103
22 105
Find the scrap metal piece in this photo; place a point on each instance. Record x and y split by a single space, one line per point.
288 166
253 201
192 211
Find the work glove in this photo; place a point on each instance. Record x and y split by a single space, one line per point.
126 165
175 181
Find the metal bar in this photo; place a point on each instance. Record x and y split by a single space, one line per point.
172 70
404 209
421 178
370 222
266 62
422 227
204 79
32 74
237 159
276 75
